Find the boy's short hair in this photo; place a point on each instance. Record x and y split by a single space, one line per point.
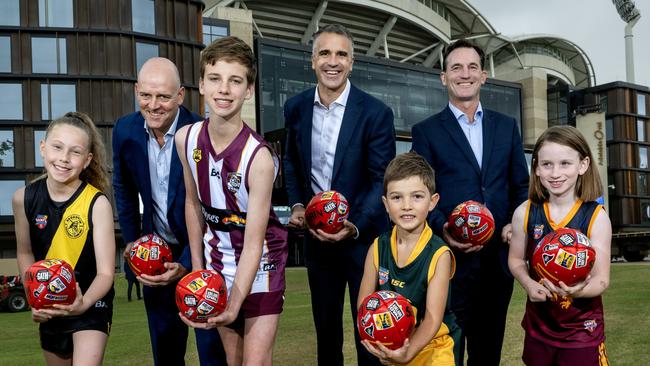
230 49
408 165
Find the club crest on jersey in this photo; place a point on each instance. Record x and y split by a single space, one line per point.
74 226
234 182
590 325
383 275
538 230
40 221
197 155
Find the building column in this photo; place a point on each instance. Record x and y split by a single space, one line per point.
534 101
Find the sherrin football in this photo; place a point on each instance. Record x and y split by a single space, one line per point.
201 294
471 222
148 255
49 282
564 255
327 211
386 317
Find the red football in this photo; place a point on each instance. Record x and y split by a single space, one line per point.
386 317
327 211
564 255
49 282
148 255
471 222
201 294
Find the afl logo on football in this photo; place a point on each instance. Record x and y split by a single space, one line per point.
197 155
74 226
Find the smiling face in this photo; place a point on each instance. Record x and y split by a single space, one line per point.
332 62
159 94
65 153
463 75
558 168
225 88
408 203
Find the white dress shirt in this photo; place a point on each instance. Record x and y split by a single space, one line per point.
326 124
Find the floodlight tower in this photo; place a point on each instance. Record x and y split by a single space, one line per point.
630 15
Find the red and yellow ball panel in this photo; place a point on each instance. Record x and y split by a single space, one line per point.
49 282
564 255
148 255
386 317
327 211
201 294
471 222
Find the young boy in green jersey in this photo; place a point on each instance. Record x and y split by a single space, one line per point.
414 262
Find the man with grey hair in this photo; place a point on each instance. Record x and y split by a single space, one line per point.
338 138
146 165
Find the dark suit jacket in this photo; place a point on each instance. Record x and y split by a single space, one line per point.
131 177
501 184
365 146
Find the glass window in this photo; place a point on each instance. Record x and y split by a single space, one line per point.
609 129
55 13
642 184
5 54
10 12
49 55
11 103
640 104
213 32
6 149
640 130
38 136
57 100
643 157
7 189
143 52
144 16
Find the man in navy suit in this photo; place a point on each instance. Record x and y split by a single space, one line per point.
146 165
338 138
477 155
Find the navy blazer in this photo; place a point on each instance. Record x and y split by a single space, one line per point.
131 177
502 182
365 146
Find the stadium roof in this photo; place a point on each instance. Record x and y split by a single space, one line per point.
414 31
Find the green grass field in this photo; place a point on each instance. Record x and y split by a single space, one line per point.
627 317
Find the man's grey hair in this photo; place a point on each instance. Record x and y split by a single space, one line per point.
332 28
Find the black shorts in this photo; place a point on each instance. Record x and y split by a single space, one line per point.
56 334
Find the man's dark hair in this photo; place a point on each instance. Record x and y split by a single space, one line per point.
336 29
463 43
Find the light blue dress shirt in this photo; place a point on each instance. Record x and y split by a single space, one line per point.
159 165
473 130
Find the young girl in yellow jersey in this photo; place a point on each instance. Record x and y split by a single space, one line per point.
414 262
564 324
71 192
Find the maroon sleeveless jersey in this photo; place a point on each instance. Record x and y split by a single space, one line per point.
562 322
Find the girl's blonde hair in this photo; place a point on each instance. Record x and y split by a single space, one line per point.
96 173
588 187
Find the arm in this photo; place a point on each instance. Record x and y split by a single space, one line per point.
517 258
24 254
380 150
193 215
104 246
370 277
437 292
420 144
598 280
292 171
257 218
125 191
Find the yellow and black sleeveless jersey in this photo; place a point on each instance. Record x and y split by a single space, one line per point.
63 230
